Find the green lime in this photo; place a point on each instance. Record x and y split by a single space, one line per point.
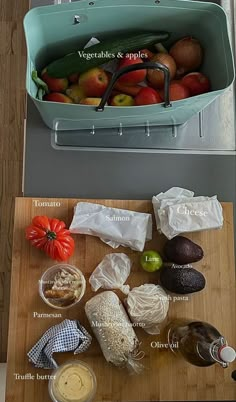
151 261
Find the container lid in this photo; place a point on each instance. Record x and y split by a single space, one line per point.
227 354
80 381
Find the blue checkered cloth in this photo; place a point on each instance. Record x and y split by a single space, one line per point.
67 336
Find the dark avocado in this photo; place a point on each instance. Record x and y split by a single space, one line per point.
182 251
182 280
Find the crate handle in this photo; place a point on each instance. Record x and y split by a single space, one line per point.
134 67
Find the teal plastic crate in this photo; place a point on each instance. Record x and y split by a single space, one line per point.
51 33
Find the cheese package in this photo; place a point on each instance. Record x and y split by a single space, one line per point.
184 214
171 195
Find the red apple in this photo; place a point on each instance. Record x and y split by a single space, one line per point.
177 91
122 100
197 83
94 82
57 97
54 84
90 101
131 90
147 96
133 77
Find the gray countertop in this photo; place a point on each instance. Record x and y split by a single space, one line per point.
50 172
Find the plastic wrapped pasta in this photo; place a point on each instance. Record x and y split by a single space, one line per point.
148 304
114 331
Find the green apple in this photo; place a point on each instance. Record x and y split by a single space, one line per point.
151 261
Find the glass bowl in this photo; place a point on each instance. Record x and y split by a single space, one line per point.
72 381
62 286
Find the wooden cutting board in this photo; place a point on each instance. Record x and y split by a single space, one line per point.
166 377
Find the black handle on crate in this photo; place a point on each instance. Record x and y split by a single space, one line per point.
139 66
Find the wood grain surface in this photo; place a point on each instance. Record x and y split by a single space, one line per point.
166 377
12 112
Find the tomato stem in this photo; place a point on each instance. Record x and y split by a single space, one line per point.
51 235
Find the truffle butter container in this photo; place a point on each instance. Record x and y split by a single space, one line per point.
72 381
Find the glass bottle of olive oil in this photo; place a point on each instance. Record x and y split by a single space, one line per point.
199 343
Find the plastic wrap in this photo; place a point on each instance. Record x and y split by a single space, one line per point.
114 331
148 306
111 273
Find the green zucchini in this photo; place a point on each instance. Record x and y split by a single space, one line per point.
103 52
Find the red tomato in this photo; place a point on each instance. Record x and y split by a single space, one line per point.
51 236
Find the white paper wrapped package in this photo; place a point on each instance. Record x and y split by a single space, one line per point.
113 330
207 214
191 216
111 273
147 304
182 205
115 227
186 214
172 194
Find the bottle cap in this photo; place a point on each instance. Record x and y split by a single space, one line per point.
227 354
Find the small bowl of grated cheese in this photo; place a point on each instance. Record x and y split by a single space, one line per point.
62 286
